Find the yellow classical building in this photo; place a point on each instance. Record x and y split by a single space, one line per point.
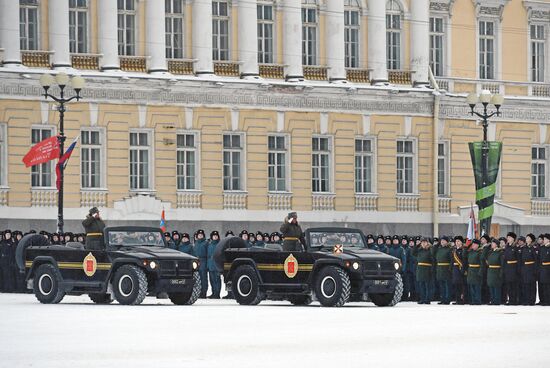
230 113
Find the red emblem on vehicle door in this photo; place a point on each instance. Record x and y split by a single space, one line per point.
89 265
291 266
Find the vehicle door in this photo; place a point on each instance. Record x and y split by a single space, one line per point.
79 264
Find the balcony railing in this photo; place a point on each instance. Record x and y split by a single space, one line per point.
85 61
279 201
366 202
234 200
315 72
36 59
272 71
4 196
93 198
133 64
226 68
358 75
180 66
540 91
400 77
444 205
540 207
43 197
407 203
494 88
323 201
189 199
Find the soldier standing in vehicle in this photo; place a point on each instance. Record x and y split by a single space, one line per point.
424 266
93 226
293 237
443 257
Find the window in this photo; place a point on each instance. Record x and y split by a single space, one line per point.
41 175
126 27
486 49
232 155
174 28
90 159
351 33
538 40
320 164
28 24
436 45
393 35
139 160
538 172
78 26
405 166
309 34
3 158
276 166
265 33
364 165
442 169
220 30
186 165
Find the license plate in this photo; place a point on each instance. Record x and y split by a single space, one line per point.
177 282
381 282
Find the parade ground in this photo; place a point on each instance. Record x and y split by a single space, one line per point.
220 333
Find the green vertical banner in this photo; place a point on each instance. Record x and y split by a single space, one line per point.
485 161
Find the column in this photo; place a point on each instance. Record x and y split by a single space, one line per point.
420 47
9 32
108 34
248 38
155 42
58 15
202 37
292 39
377 41
335 41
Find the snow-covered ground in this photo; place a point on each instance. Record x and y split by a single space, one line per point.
220 333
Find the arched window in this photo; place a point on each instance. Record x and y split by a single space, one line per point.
174 28
351 32
310 26
393 34
220 30
266 27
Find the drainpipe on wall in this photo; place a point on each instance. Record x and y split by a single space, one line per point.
437 100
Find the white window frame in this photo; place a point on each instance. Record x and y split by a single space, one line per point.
330 188
170 17
352 6
391 13
262 40
151 163
497 47
197 150
539 161
123 44
286 152
24 42
242 169
52 163
102 156
542 41
414 155
373 155
447 169
77 10
443 35
216 49
3 156
310 5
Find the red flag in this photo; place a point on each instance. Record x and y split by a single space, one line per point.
471 227
42 152
162 222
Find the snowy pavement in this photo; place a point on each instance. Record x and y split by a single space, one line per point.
220 333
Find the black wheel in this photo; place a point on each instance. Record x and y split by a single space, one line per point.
246 286
391 299
100 298
300 299
332 287
129 285
47 284
190 297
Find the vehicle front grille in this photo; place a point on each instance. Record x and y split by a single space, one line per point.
378 268
175 268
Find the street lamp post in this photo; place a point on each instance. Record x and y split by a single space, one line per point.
62 80
486 189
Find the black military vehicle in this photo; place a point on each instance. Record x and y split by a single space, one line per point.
334 268
134 264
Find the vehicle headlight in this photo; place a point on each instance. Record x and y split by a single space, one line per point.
396 265
355 265
195 265
152 265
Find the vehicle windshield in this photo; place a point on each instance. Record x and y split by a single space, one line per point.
321 239
135 239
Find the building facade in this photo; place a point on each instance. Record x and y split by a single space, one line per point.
228 114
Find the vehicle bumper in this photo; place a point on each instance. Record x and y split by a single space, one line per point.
376 286
175 285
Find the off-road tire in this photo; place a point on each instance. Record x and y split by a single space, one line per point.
129 285
300 299
246 286
332 286
391 299
191 297
100 298
47 284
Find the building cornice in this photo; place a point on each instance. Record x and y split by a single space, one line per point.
490 8
537 10
442 6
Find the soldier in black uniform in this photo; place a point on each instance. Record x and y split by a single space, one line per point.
8 258
94 225
511 270
544 277
458 269
293 237
527 264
